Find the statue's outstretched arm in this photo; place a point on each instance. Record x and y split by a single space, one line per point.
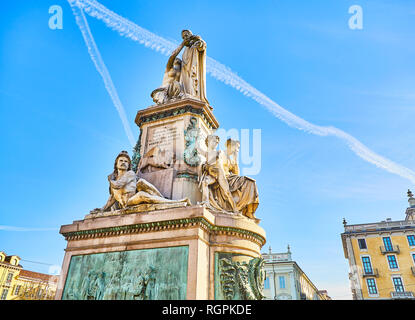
174 55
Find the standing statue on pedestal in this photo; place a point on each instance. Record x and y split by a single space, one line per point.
222 187
184 77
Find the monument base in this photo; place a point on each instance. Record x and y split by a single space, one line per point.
177 253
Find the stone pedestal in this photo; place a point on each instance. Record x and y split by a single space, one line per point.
164 254
154 239
166 154
165 250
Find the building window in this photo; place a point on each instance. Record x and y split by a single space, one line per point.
393 264
371 286
9 277
282 282
388 243
413 257
397 282
367 266
362 244
411 240
266 283
17 290
4 294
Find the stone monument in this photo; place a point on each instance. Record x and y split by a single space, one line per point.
179 222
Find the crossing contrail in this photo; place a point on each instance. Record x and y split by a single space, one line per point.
102 69
222 73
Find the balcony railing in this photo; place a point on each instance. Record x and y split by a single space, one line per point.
379 225
371 273
402 295
391 249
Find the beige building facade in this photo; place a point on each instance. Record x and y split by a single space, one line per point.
31 285
19 284
9 271
382 257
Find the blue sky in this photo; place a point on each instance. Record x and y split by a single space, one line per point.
60 131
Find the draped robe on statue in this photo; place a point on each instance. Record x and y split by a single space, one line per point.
193 71
243 189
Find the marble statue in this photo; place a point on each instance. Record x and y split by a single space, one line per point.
126 190
221 186
193 72
243 189
213 181
184 77
171 86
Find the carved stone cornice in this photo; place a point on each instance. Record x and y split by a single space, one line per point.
180 107
200 222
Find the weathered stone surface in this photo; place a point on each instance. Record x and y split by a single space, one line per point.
162 180
201 231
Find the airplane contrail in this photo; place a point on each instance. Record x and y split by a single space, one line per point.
222 73
102 69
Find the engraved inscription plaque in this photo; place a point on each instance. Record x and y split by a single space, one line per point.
167 136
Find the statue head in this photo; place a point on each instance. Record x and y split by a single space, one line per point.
232 146
122 162
186 34
212 141
159 95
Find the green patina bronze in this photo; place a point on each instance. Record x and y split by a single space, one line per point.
136 153
148 274
192 136
238 277
187 175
